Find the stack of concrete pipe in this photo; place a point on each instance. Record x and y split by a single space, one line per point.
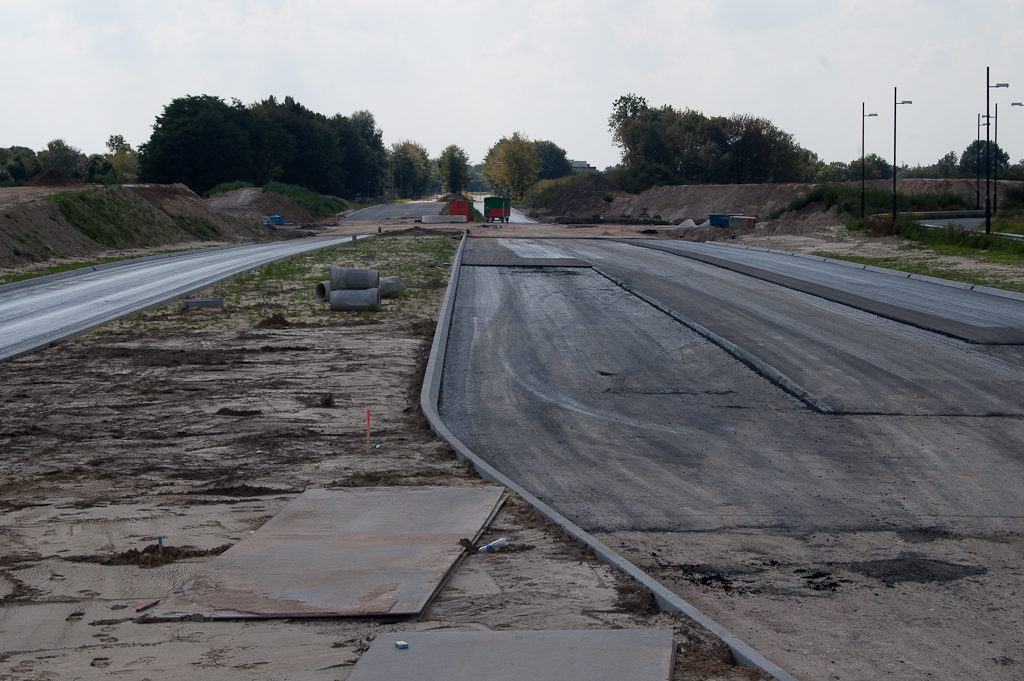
357 289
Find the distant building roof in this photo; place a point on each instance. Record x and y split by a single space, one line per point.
582 167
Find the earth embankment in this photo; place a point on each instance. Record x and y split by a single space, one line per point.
595 199
47 225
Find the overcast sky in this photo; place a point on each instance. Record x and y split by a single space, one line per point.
469 72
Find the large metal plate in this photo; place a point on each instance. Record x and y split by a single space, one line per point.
346 552
637 655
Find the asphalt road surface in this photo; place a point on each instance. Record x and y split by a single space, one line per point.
398 211
622 418
881 540
32 316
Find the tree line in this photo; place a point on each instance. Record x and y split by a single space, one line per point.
118 166
663 145
203 141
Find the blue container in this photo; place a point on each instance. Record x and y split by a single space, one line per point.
720 219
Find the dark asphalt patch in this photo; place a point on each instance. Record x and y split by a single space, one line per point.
921 570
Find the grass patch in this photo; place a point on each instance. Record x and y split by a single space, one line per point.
846 199
929 265
109 216
546 193
310 200
227 187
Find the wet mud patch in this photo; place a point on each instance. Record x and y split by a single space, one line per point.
151 556
634 597
911 569
244 491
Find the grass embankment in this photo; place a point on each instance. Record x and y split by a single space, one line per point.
846 199
546 193
934 264
287 288
117 218
951 252
320 204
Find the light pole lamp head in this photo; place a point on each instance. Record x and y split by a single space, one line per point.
1017 104
905 101
1001 85
870 115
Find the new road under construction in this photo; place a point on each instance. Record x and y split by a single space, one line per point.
654 459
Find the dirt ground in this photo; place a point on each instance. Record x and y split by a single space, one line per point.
197 426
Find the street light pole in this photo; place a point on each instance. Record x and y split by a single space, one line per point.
977 165
895 106
863 116
995 168
988 161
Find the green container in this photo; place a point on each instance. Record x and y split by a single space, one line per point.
497 208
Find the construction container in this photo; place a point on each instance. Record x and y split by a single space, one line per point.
497 208
461 208
720 219
741 222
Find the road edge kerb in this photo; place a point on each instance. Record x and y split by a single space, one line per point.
985 290
743 654
760 367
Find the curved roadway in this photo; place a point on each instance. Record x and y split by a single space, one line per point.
36 313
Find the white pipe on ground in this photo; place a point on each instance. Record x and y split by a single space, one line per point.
323 291
355 299
390 287
345 279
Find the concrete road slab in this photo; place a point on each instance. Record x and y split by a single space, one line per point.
514 253
638 655
346 552
968 315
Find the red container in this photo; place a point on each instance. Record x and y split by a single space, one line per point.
461 208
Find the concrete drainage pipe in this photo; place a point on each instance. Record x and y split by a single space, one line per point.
361 299
323 291
390 287
345 279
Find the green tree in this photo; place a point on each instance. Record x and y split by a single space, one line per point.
20 163
973 158
553 161
59 155
200 141
410 169
453 166
947 165
512 164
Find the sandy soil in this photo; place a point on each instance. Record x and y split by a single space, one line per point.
198 426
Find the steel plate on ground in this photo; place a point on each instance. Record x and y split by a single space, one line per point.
637 654
345 552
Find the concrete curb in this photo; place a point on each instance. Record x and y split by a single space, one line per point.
986 290
743 654
759 367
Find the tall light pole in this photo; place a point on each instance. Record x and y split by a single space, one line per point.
988 162
995 168
863 116
977 165
895 105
